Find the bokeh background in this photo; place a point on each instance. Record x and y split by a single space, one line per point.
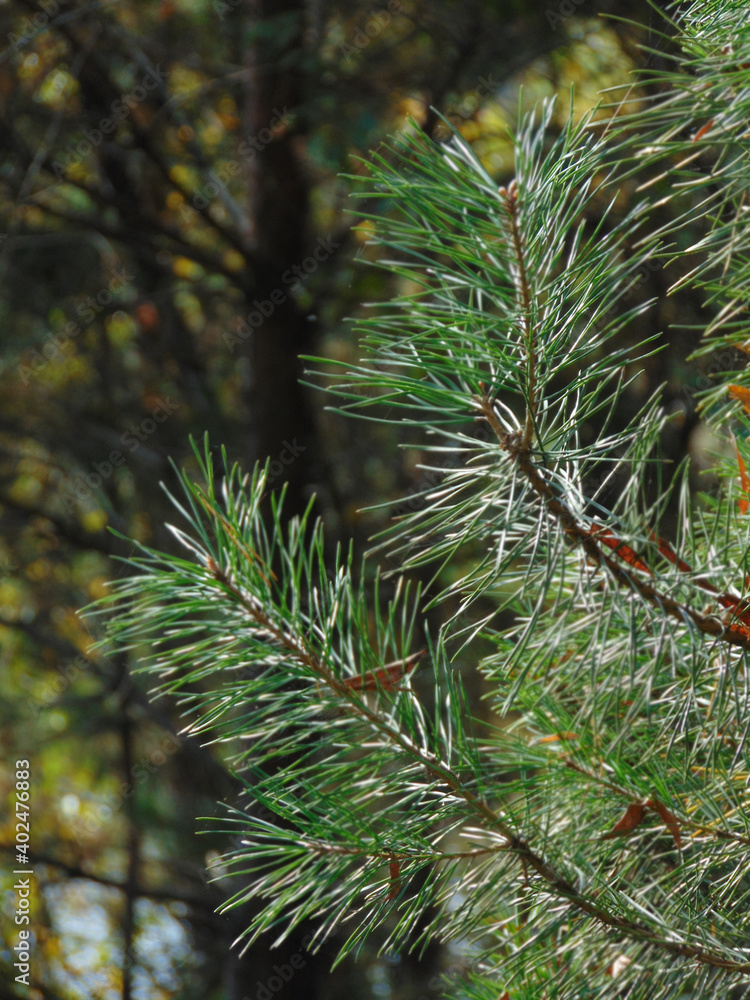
175 230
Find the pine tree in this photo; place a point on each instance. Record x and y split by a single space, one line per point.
593 838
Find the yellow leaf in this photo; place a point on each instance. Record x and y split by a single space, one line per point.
183 267
94 520
234 261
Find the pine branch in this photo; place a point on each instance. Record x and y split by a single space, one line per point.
589 836
297 649
589 540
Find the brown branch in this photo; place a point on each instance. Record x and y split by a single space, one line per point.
70 531
145 141
35 163
236 241
510 196
134 238
36 985
163 97
732 633
141 891
114 678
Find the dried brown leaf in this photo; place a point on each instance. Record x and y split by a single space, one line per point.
669 819
387 677
632 818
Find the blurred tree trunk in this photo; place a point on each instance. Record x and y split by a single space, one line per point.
282 420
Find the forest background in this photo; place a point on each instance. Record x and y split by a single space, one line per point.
175 231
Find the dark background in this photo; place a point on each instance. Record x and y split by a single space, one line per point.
166 166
